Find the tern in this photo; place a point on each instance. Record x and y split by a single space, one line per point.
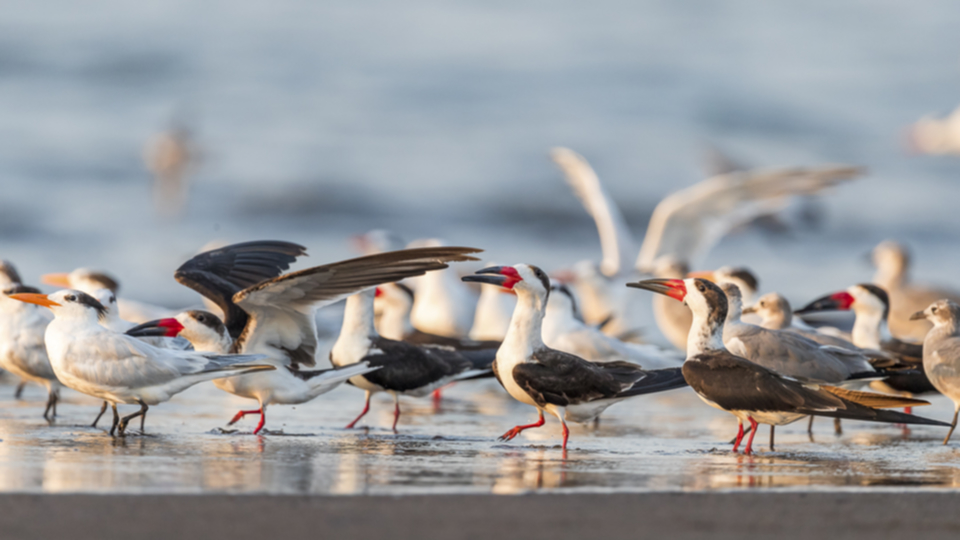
118 368
892 261
89 281
273 315
941 352
564 385
404 368
22 348
754 393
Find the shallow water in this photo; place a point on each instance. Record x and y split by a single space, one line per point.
318 121
667 442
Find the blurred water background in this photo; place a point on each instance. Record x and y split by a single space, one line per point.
321 120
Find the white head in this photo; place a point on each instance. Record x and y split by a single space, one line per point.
108 299
774 311
892 261
524 279
706 301
204 330
83 279
67 304
942 314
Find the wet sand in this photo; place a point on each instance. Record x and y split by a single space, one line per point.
451 517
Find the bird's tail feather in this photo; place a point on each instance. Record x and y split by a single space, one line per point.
874 400
656 380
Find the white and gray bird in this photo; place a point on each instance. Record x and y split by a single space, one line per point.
442 305
892 261
682 230
564 330
788 353
22 348
94 360
941 352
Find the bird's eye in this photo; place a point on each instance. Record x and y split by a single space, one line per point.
701 288
200 318
69 298
763 304
933 309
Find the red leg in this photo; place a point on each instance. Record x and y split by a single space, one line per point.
566 435
736 442
437 397
263 419
908 410
396 412
516 431
753 431
366 407
241 414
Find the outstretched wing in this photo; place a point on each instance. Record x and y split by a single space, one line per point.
282 308
615 238
688 223
221 273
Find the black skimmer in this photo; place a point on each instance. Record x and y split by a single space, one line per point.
89 281
564 330
564 385
871 304
892 261
941 352
22 349
754 393
405 368
118 368
271 314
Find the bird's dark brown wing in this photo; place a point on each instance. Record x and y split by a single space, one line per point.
407 367
736 384
563 379
221 273
911 353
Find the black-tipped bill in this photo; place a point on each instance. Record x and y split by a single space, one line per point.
674 288
503 276
157 328
918 316
840 301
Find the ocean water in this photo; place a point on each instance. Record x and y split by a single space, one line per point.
319 121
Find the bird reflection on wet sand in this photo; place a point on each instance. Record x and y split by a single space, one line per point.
664 444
